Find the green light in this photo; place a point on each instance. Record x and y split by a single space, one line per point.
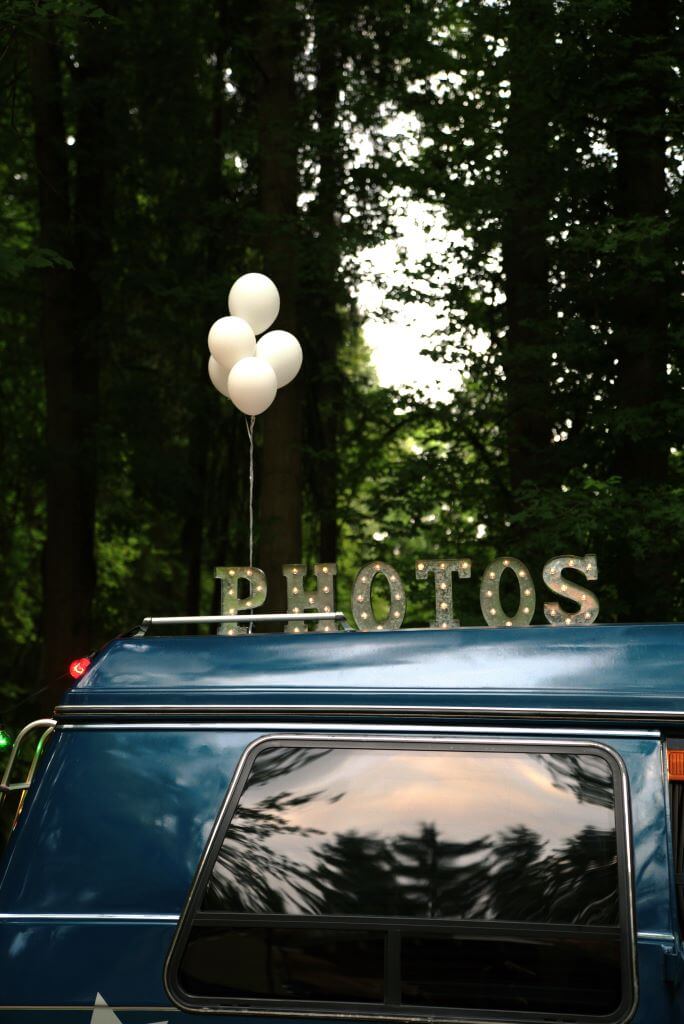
5 739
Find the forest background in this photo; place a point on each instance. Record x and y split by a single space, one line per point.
152 152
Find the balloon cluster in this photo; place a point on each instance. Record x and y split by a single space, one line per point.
247 371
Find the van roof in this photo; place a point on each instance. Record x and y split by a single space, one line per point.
616 672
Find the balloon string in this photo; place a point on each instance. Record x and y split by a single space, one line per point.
249 423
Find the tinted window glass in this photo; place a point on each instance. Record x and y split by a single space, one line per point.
418 881
285 963
419 833
579 975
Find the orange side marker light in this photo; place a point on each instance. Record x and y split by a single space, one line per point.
675 765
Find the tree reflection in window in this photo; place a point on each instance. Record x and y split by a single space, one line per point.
465 835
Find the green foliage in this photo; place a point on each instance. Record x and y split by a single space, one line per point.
551 168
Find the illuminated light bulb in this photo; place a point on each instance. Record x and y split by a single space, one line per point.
295 590
464 565
571 562
231 572
295 571
420 566
444 625
527 592
564 587
311 600
325 568
326 608
377 567
587 615
359 598
526 610
326 629
492 611
506 563
443 605
568 622
259 589
522 574
553 571
442 565
396 615
248 604
492 575
79 667
554 612
231 632
295 610
397 597
297 629
326 590
5 739
442 586
231 611
378 626
489 593
364 615
249 572
363 579
509 623
393 579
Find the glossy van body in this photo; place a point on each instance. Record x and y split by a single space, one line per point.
419 825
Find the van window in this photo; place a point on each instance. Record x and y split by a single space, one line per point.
413 880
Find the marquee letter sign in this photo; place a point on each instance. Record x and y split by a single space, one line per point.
362 606
301 598
444 595
490 601
322 599
231 604
559 584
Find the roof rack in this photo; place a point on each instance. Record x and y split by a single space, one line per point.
180 620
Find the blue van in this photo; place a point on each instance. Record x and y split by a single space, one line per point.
468 825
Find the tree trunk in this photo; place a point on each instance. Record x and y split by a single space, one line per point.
71 328
278 180
68 574
326 291
640 302
193 533
528 343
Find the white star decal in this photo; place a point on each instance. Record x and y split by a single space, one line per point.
103 1015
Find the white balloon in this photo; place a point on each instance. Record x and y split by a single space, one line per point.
218 376
230 339
282 350
252 385
255 298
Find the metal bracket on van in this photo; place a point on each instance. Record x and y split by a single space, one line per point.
179 620
48 726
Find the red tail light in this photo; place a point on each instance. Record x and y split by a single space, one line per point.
79 667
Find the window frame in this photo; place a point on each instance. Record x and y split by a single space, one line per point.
253 1006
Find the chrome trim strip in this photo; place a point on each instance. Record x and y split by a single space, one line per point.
234 790
655 936
152 918
399 710
244 726
170 620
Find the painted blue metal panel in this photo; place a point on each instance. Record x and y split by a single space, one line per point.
117 821
643 761
614 667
